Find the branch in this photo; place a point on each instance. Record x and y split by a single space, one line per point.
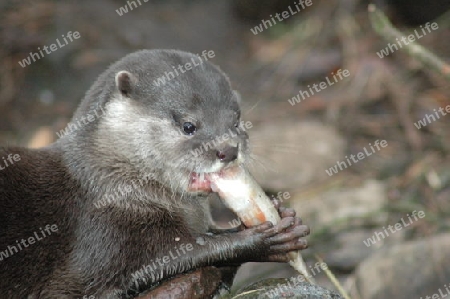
382 26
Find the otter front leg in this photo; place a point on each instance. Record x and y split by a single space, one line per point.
265 242
228 272
219 231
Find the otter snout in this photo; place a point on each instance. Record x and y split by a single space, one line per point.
228 154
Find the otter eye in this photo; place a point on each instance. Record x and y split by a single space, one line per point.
189 128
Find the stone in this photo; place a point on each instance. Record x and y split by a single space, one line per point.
284 288
354 205
348 250
199 284
290 154
413 269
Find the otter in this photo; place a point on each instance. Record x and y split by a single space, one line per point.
118 204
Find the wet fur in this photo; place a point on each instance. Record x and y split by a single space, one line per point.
117 188
137 141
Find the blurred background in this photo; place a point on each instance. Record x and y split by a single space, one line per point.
293 145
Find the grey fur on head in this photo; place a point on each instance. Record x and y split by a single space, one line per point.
140 129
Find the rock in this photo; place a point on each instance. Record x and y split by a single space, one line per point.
348 250
333 206
202 283
253 272
414 269
284 288
293 153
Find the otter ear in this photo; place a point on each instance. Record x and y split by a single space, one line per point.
125 82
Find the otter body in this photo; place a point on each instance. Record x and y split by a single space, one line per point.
119 203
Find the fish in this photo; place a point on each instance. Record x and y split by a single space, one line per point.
240 192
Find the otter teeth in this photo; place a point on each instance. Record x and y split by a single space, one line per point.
200 181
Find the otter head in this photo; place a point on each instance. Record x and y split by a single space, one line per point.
175 127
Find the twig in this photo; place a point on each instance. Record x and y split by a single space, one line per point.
384 28
333 279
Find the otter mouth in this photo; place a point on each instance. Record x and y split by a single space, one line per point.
200 182
205 181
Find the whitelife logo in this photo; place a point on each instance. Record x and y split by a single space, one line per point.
187 67
11 158
85 120
316 88
391 48
294 281
439 295
359 156
429 118
378 236
24 243
161 262
265 24
49 49
244 126
124 9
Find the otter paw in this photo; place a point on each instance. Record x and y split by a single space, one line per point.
273 242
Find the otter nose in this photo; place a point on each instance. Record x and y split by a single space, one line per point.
228 154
